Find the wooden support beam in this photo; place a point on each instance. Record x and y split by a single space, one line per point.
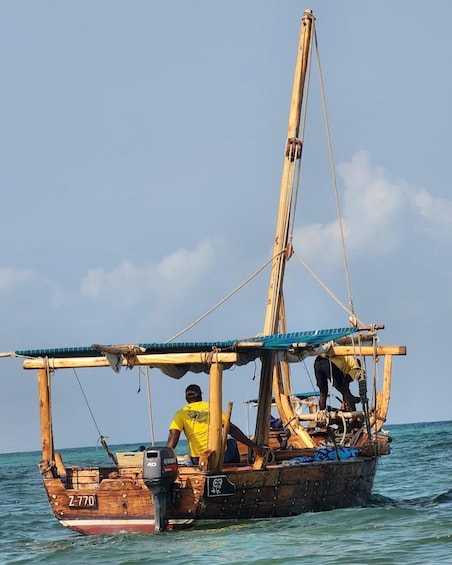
45 415
153 360
332 415
382 401
200 358
215 416
369 350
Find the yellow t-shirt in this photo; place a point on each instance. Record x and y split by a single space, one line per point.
193 420
348 365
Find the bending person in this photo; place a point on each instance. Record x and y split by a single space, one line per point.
341 370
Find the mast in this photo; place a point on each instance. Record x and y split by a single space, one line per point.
281 251
275 312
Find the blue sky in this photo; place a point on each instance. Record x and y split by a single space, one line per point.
141 149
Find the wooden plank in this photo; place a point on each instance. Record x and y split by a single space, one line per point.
382 401
45 414
203 358
130 459
369 350
215 417
153 360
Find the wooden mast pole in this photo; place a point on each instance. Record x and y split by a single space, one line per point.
281 249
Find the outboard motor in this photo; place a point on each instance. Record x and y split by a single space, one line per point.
159 473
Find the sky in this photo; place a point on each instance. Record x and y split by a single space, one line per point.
141 149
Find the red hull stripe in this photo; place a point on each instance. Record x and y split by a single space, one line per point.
105 526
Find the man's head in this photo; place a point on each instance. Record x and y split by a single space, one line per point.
193 393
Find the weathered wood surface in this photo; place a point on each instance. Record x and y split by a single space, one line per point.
378 418
153 360
202 358
369 350
45 415
279 490
215 436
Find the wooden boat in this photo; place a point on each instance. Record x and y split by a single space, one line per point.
316 462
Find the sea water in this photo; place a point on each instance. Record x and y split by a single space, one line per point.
407 520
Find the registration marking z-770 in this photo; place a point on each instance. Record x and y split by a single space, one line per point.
82 501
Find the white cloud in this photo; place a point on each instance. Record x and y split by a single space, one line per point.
12 278
176 274
437 212
380 214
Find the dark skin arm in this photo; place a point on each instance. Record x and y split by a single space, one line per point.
351 400
238 435
234 431
173 438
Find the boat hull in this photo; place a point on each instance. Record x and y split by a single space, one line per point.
119 501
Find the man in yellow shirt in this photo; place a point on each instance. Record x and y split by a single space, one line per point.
341 370
193 420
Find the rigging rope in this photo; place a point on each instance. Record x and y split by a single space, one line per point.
102 438
151 416
333 172
291 216
319 280
87 403
227 297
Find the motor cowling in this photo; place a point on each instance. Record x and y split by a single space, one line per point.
159 473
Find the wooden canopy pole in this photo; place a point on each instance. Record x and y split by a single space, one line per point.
382 400
152 360
45 415
215 416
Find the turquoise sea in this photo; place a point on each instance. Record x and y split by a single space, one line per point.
407 520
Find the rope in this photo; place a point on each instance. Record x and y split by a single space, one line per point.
112 456
102 438
87 403
323 285
151 416
374 381
344 425
333 172
332 437
227 297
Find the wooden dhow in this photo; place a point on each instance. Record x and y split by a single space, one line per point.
315 461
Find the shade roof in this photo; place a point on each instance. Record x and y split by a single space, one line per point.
285 341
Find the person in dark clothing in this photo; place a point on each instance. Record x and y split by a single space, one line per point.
341 370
